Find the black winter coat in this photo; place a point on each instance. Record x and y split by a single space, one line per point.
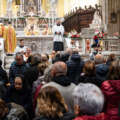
74 66
3 76
21 97
67 116
90 79
16 69
102 71
30 76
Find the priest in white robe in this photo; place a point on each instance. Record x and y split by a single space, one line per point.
58 32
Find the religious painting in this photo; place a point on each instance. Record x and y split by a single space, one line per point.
113 18
31 6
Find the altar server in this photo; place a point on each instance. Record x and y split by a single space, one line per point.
21 48
58 32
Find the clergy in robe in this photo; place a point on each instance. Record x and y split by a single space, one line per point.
10 38
2 42
58 32
1 29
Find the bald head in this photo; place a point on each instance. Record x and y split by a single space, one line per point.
69 51
59 68
99 59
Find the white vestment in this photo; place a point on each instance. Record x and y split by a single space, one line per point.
20 49
58 38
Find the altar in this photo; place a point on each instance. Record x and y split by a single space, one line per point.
39 43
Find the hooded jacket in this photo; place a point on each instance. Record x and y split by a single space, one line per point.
111 90
102 71
74 66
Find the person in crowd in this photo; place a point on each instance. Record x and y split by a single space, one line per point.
27 54
56 58
41 67
12 111
48 56
69 51
62 82
28 62
111 90
88 102
58 32
110 59
20 94
43 79
17 67
89 74
21 48
64 57
74 66
51 105
3 75
3 81
114 71
46 78
101 67
2 90
94 53
45 58
52 56
32 73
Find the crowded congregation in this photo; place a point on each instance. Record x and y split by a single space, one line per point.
59 59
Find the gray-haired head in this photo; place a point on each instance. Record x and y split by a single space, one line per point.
89 98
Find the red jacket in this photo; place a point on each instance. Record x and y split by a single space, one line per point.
86 117
111 90
36 95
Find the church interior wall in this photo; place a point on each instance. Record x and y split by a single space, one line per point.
113 7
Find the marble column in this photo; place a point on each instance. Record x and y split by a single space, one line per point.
9 9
